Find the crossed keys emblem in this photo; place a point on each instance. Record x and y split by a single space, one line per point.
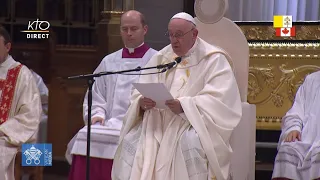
33 154
287 21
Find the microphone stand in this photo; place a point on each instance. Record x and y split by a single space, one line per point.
90 82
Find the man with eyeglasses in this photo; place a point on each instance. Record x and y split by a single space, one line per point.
111 99
190 138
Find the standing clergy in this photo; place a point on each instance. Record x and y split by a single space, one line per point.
111 98
44 94
20 107
190 138
299 144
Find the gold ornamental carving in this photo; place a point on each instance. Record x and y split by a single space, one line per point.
267 32
112 16
276 72
264 78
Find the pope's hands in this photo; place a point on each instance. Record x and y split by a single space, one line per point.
146 103
175 106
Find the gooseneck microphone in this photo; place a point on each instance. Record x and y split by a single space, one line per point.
163 67
176 61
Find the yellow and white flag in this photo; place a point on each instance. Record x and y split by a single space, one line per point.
282 21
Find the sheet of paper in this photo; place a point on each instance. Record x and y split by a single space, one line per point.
155 91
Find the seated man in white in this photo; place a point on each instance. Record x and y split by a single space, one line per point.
189 139
298 155
111 96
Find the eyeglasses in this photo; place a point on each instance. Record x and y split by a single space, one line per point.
177 35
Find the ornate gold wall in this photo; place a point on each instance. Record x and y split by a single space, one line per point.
278 66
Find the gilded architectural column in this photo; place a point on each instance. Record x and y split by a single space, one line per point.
128 4
109 32
109 27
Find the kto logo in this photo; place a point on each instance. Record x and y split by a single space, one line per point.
38 29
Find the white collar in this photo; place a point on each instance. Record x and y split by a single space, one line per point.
131 50
192 49
7 62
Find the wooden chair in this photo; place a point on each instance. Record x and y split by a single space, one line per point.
35 172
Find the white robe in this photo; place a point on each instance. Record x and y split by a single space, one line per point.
111 97
23 119
301 159
44 94
160 145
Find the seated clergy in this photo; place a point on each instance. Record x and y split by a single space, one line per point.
298 155
111 95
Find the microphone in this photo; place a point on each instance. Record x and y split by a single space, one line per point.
176 61
163 67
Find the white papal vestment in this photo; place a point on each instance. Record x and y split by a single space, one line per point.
159 144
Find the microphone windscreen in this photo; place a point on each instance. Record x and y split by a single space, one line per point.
178 59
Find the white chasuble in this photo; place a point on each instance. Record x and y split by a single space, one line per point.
158 144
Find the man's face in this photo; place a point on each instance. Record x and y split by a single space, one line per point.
4 49
132 31
182 35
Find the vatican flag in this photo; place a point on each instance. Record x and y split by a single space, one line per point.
282 21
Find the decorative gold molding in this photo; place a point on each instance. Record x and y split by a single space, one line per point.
282 45
268 123
289 80
113 12
276 71
110 15
79 48
267 32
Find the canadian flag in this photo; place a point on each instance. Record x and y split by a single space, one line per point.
286 31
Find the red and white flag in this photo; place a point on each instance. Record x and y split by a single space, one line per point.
288 32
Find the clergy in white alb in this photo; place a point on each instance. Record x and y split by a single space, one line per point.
20 107
189 139
299 144
111 97
44 94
